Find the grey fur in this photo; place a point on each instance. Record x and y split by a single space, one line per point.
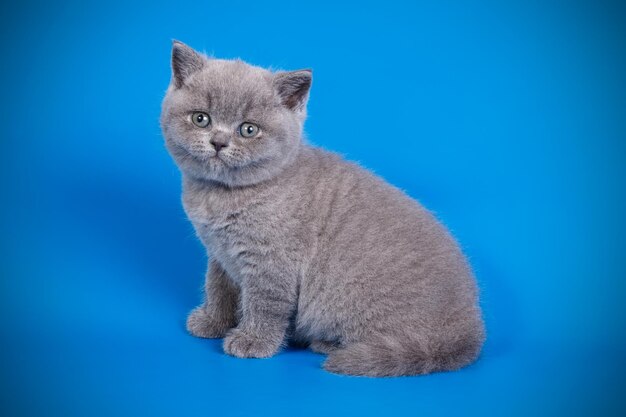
304 245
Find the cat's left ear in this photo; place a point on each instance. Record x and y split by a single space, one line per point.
293 88
185 61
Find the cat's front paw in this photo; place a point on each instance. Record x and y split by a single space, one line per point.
202 324
243 344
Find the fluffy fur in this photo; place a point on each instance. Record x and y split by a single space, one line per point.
303 245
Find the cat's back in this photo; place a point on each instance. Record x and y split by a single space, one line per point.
364 222
347 193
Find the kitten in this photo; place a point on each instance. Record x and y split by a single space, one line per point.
303 245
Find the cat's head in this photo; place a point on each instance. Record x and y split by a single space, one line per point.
230 122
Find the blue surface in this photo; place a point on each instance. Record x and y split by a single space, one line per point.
508 119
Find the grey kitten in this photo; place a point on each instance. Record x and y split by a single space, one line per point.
303 245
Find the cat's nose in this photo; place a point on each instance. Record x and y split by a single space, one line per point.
218 145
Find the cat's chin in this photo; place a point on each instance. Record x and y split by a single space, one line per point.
215 169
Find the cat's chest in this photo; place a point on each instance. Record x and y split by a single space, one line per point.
222 217
235 229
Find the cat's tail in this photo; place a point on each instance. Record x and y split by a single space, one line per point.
396 356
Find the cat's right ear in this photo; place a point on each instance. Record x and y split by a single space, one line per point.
185 61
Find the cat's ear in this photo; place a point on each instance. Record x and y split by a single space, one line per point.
185 61
293 88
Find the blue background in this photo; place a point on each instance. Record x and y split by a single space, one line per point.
508 119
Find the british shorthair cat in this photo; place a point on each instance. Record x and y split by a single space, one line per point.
305 246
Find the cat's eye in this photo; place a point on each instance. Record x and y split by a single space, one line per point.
200 119
248 130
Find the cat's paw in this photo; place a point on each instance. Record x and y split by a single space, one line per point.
202 324
243 344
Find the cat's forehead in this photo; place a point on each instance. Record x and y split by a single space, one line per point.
235 73
233 82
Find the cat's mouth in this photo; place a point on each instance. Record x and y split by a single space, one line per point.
217 160
201 157
214 160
